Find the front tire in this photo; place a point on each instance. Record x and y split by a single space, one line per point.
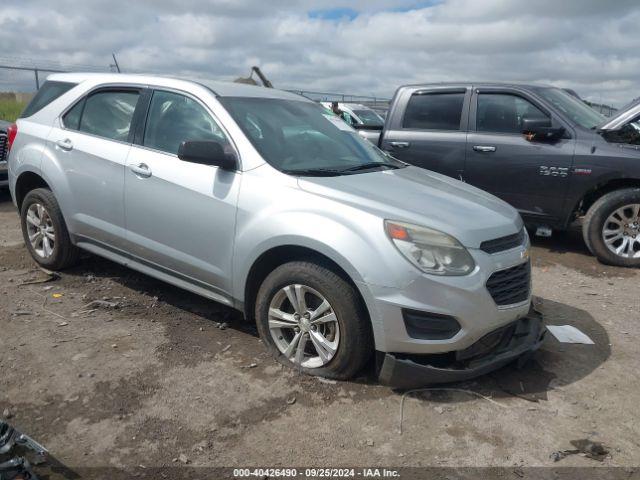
611 228
311 319
45 232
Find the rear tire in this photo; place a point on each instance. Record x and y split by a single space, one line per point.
45 232
338 346
612 224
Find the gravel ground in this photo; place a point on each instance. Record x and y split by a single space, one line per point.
158 381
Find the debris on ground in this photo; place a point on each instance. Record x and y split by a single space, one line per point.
49 277
251 365
588 448
6 413
101 304
291 400
18 467
326 380
183 458
569 334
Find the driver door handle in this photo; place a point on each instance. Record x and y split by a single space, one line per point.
399 144
65 144
141 170
484 148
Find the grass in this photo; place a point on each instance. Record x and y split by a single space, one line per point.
10 109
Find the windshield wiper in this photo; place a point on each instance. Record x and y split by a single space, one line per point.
314 172
366 166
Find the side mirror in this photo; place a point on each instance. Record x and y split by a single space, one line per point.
206 152
540 129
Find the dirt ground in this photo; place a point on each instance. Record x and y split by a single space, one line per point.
159 381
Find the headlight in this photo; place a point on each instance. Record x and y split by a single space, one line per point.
430 250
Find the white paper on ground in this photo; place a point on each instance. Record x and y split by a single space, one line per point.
569 334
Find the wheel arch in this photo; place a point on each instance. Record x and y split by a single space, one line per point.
592 195
26 182
279 255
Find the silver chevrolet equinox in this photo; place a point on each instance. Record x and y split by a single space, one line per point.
264 201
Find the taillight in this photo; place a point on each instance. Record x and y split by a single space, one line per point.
12 131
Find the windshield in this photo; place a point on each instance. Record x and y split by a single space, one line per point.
573 108
369 118
300 138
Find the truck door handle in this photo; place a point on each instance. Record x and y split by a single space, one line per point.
141 170
484 148
65 144
399 144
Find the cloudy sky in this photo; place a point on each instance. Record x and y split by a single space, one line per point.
360 47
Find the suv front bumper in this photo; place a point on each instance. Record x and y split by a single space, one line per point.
516 341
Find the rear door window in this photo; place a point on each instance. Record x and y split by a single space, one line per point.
504 113
48 93
434 111
174 118
106 114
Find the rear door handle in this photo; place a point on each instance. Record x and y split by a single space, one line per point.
65 144
141 170
399 144
484 148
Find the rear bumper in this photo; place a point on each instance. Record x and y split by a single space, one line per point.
516 341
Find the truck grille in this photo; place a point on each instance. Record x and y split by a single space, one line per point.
3 146
503 243
511 285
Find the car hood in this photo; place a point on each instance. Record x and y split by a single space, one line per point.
421 197
622 116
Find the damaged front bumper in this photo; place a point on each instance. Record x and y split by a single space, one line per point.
516 341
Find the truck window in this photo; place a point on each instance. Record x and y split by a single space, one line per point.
434 111
503 113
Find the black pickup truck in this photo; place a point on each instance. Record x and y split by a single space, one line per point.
539 148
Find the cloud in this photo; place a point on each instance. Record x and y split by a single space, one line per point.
353 47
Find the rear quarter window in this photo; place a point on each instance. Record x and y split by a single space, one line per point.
434 111
47 94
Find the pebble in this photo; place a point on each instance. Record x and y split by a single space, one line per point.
6 413
183 458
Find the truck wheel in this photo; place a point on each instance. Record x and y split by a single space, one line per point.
312 319
45 232
611 228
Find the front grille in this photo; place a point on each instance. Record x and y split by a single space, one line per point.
3 146
503 243
511 285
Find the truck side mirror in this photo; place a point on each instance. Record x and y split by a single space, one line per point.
540 129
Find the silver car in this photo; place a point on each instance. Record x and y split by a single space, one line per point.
258 199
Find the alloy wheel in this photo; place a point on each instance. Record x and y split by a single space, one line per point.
40 230
304 326
621 231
